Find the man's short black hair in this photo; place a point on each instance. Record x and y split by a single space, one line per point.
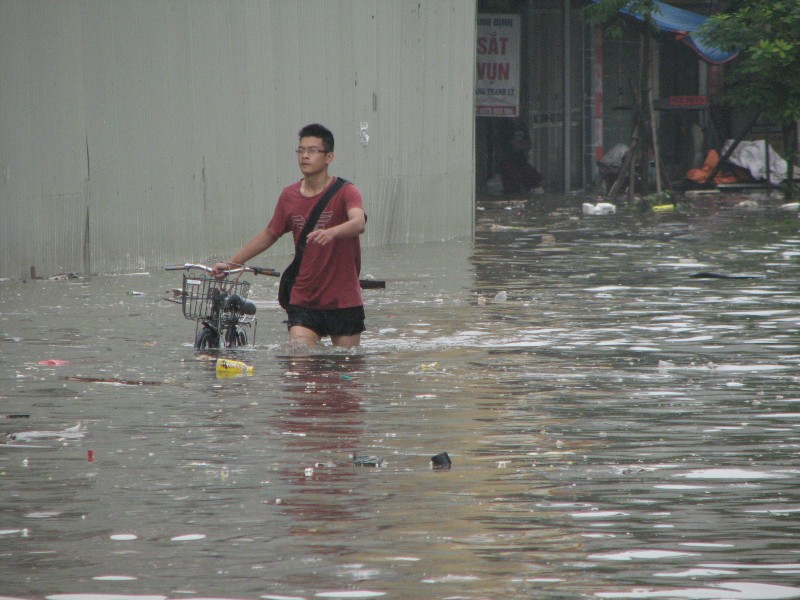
319 131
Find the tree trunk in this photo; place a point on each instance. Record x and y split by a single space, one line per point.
652 117
644 113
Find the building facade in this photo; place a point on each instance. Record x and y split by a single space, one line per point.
135 133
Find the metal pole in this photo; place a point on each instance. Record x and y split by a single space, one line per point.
567 100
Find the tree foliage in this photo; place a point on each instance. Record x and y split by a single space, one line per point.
764 79
766 75
607 13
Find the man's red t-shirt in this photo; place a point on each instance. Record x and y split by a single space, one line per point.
328 277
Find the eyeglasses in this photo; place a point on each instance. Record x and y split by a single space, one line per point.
313 151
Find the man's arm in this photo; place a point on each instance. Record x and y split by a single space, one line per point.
353 227
258 244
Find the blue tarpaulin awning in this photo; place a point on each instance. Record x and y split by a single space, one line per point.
684 24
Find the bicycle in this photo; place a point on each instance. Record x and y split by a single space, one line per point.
219 306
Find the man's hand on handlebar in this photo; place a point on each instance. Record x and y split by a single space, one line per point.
220 269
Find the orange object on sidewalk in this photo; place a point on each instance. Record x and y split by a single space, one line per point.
700 175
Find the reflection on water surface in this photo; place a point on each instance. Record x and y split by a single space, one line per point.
618 428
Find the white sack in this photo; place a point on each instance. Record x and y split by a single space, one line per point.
751 155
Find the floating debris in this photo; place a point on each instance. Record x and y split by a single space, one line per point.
601 208
368 461
22 437
441 461
548 239
710 275
62 277
225 366
663 208
111 380
746 205
189 537
500 297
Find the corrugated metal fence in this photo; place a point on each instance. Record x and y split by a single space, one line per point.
134 133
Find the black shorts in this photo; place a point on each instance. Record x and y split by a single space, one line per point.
332 322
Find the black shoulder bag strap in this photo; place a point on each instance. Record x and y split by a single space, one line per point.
290 273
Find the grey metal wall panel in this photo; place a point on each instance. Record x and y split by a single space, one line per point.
135 133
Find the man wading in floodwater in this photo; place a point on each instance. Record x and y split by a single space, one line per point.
325 299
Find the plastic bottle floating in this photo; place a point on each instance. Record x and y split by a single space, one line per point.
229 368
601 208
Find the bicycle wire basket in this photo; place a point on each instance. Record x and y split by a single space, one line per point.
204 296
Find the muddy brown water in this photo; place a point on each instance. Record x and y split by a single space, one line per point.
617 427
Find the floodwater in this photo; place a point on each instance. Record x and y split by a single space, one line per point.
617 427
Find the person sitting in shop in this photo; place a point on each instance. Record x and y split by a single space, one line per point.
519 176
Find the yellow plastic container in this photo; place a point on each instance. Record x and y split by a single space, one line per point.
663 208
227 368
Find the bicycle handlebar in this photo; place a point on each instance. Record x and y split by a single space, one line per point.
266 271
254 270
